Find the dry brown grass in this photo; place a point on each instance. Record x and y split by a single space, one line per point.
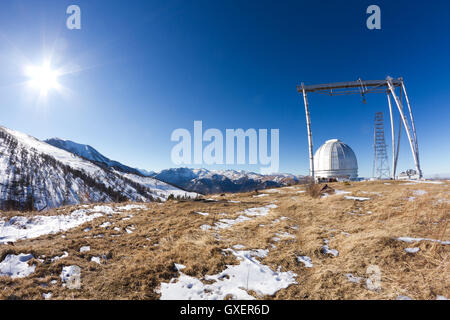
170 233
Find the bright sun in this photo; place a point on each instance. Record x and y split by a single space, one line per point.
43 78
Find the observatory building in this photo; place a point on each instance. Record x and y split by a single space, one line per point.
335 160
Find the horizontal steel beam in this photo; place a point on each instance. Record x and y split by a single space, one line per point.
346 85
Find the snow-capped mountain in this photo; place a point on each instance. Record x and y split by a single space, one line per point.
35 174
91 154
209 181
195 180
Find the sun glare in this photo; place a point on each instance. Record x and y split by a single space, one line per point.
43 78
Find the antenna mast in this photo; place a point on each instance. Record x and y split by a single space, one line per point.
380 161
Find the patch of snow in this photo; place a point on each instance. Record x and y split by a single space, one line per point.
438 297
273 191
96 260
179 267
261 195
85 249
238 246
202 213
306 261
105 224
69 273
419 192
411 240
356 198
400 297
227 223
234 201
285 235
16 266
426 181
129 207
19 227
64 255
235 281
412 250
205 227
341 192
47 296
327 250
353 278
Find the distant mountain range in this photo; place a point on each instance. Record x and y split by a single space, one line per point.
195 180
37 175
210 181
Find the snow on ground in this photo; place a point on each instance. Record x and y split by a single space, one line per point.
306 261
261 211
19 227
326 249
95 259
401 297
234 281
202 213
64 255
419 192
273 191
16 266
353 278
47 296
284 235
261 195
85 249
356 198
179 267
227 223
341 192
412 250
411 240
246 215
234 201
69 273
129 207
106 224
426 181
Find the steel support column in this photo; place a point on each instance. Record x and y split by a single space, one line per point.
308 126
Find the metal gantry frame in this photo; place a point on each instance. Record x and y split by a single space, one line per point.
362 87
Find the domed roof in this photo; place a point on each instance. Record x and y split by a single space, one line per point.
335 159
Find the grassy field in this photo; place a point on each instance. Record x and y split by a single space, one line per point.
363 231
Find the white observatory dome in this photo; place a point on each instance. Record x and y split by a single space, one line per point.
335 159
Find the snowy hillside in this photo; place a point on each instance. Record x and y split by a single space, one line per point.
207 181
89 153
35 174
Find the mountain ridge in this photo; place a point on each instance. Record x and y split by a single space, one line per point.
37 175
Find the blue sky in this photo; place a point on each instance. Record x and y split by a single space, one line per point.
146 68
